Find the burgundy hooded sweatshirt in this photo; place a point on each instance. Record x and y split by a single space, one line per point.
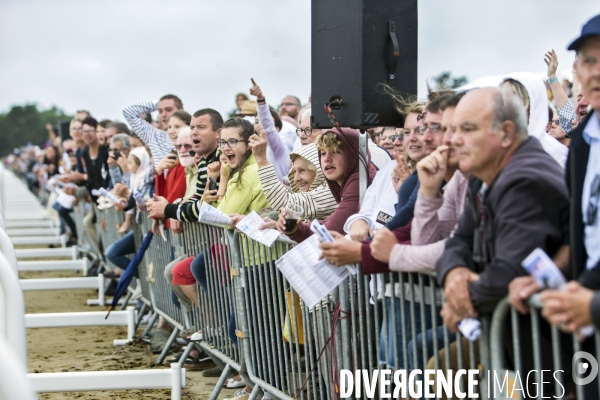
347 196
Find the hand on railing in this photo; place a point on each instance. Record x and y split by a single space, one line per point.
176 226
156 207
569 309
360 230
121 190
382 244
235 218
458 305
120 206
341 251
521 289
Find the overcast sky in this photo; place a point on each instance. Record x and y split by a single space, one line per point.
103 55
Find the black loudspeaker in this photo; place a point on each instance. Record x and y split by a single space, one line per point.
357 47
63 130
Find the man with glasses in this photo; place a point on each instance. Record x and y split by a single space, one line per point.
290 106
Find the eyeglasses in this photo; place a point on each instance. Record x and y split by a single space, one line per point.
185 146
306 131
553 122
434 128
88 131
399 136
592 210
231 143
290 104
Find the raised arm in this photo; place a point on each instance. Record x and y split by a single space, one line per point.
278 148
157 140
560 97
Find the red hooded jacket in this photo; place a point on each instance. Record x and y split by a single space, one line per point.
347 196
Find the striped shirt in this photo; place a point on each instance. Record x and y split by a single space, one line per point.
190 210
318 203
157 140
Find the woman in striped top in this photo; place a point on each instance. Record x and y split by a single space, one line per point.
316 199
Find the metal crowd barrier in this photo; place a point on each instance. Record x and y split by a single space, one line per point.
370 322
348 330
520 344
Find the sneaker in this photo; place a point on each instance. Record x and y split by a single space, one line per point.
239 395
202 355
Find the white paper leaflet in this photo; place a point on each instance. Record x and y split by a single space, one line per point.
548 276
250 224
210 215
312 278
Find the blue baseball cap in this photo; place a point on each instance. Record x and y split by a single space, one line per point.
591 28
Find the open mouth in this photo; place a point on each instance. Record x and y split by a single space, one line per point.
196 141
329 168
230 157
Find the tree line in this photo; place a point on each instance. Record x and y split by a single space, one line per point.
26 123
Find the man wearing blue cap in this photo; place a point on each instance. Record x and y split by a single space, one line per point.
579 305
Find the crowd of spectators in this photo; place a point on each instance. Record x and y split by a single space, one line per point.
467 188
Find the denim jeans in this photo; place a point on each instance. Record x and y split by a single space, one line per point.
65 216
401 315
431 349
115 253
198 268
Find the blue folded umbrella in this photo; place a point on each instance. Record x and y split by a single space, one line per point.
130 272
